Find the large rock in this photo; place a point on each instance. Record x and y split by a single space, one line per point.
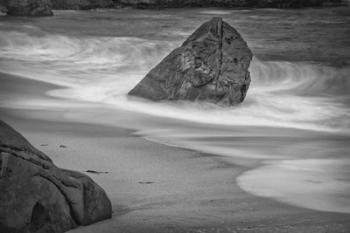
28 7
37 196
211 65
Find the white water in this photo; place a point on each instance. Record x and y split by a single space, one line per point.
104 69
297 181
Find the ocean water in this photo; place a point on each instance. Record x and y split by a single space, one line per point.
295 120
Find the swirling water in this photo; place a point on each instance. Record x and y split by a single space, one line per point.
296 117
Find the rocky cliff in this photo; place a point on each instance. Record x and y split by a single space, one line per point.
36 196
211 65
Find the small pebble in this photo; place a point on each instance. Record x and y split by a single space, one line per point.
146 182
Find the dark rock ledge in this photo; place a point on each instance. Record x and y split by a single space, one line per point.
44 7
228 3
26 7
37 196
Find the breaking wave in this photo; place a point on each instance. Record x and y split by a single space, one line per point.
104 69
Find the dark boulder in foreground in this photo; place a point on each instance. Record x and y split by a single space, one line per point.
28 7
37 196
211 65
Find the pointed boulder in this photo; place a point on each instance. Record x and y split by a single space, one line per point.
211 65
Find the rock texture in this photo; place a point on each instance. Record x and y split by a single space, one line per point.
2 7
28 7
211 65
228 3
43 7
37 196
81 4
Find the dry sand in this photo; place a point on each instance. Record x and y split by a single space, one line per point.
153 187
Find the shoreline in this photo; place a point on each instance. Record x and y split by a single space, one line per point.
147 202
157 188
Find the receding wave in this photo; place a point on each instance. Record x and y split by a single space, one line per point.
104 69
312 183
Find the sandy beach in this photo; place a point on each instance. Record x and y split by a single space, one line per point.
277 162
153 187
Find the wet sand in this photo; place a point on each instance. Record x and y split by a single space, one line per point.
153 187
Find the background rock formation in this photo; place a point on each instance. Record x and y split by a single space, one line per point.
28 7
2 7
43 7
81 4
211 65
228 3
37 196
